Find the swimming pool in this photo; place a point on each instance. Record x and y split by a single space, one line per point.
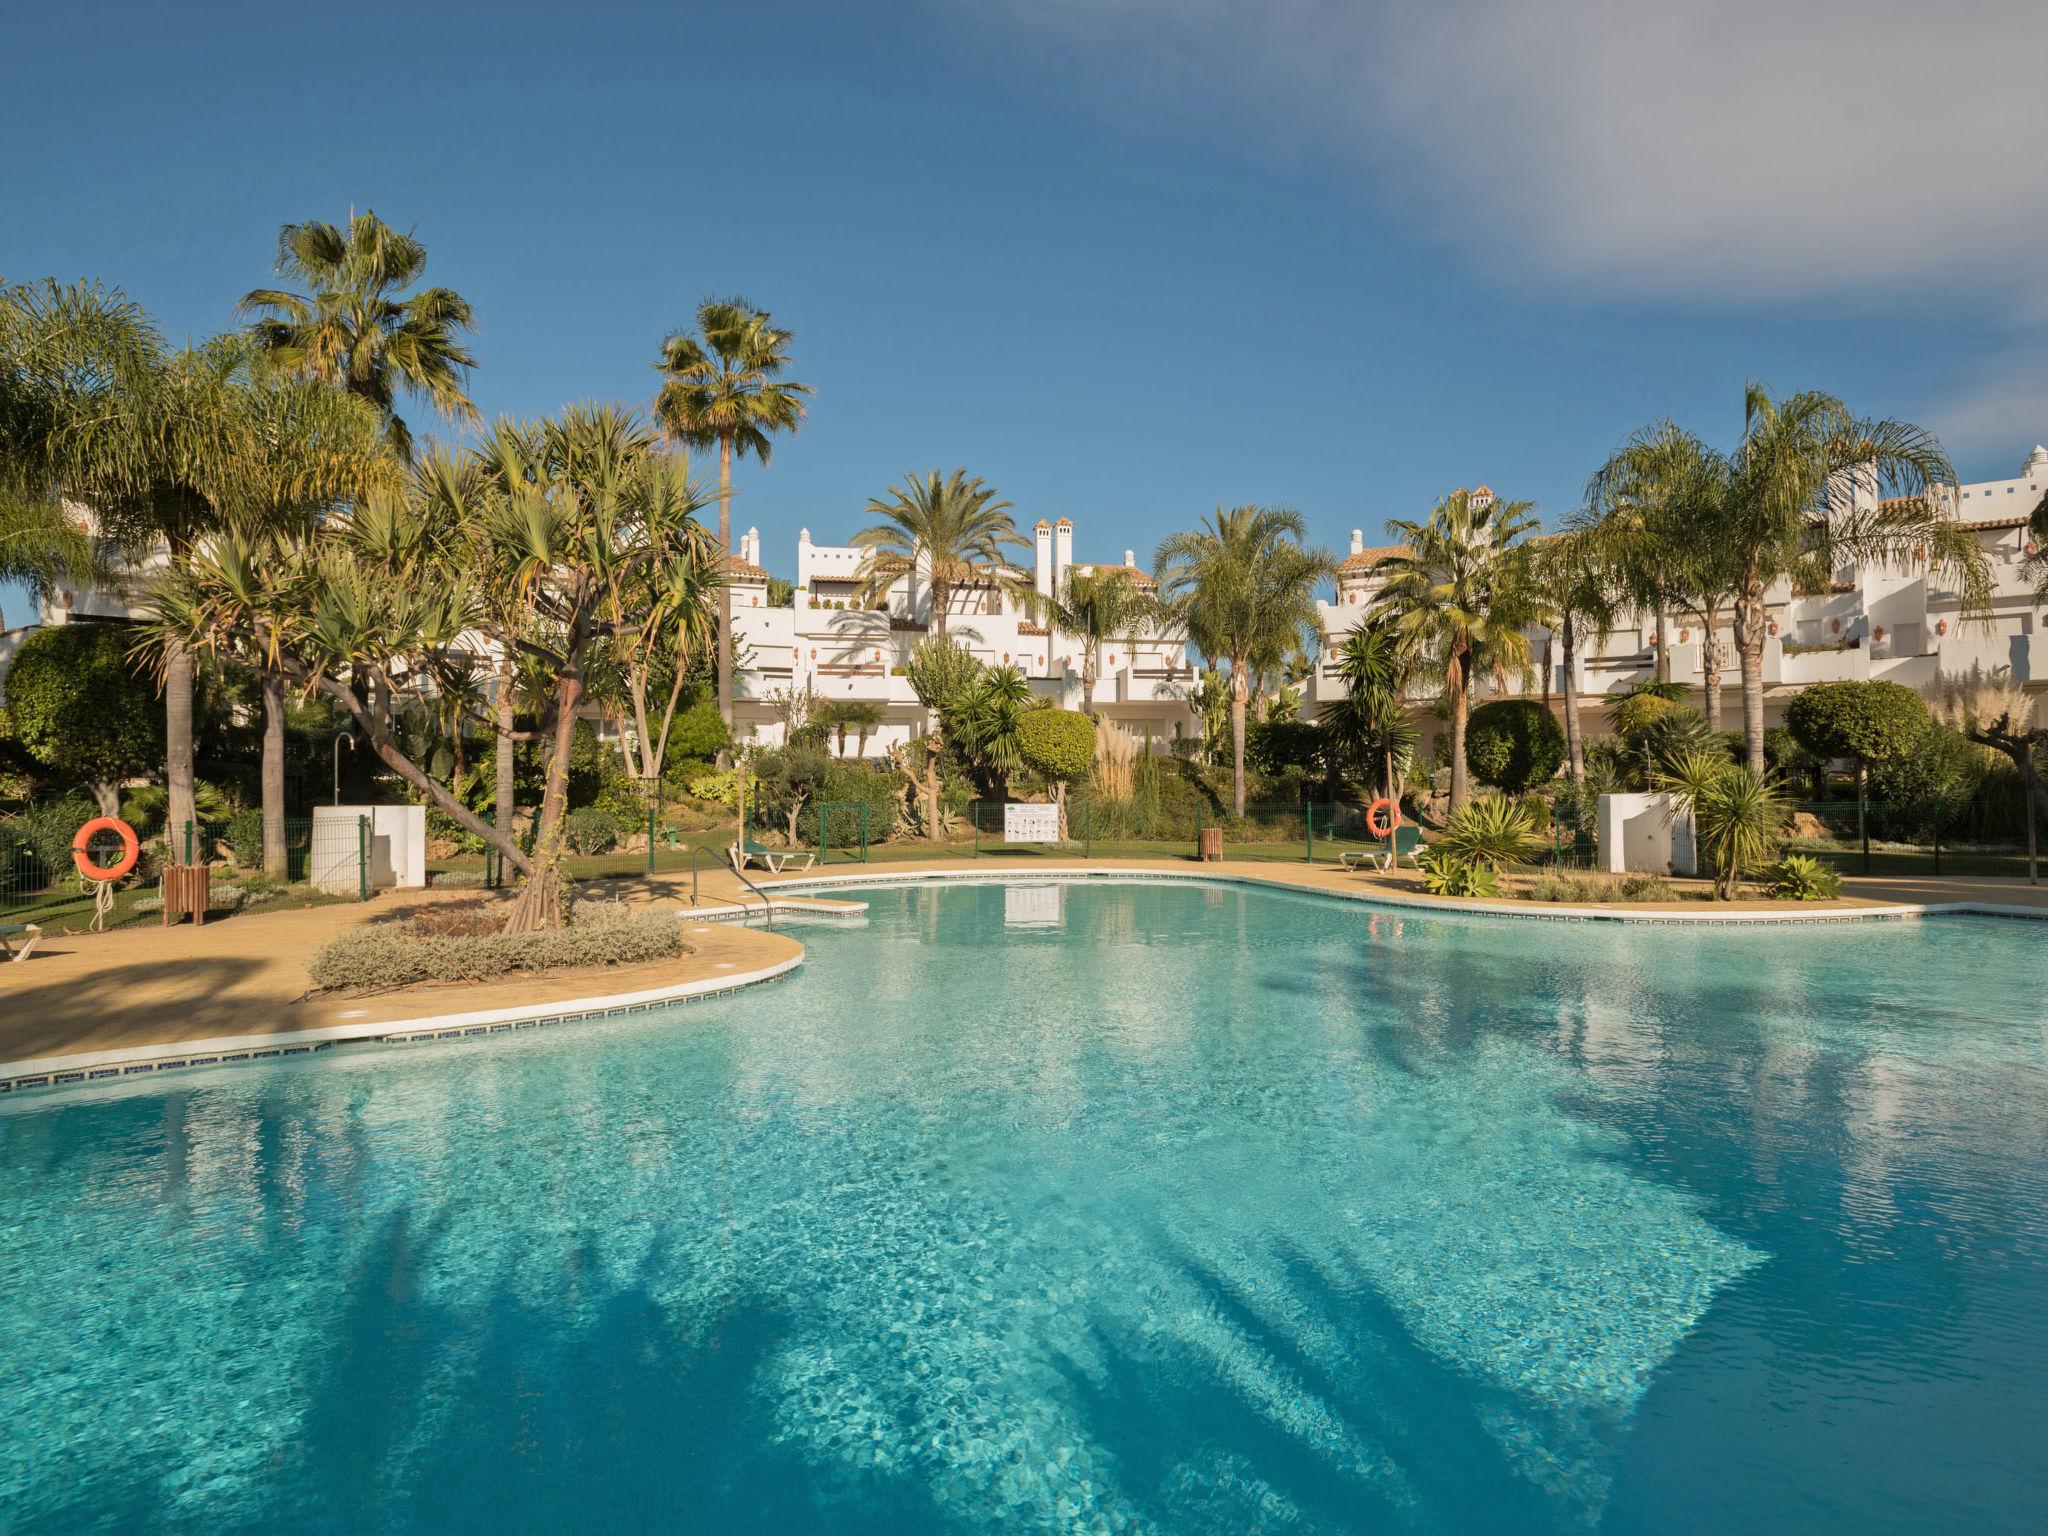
1092 1207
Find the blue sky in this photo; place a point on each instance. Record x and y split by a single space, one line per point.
1128 259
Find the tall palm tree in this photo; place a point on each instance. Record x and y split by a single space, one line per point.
1657 502
1813 486
1241 585
723 385
356 327
1582 589
952 530
1095 607
1459 593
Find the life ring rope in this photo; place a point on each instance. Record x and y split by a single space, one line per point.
81 845
1382 816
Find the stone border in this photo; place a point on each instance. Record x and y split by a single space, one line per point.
1554 912
135 1061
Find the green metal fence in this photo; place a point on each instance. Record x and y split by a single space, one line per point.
1875 837
40 884
1316 832
842 831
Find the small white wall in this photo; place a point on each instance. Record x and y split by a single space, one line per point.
398 847
1644 833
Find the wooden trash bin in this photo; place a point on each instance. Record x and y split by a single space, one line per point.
185 892
1212 844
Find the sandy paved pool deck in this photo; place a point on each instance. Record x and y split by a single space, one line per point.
147 986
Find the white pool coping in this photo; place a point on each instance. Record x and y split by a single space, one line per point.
1400 901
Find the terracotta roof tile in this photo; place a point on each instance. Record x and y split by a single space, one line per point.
741 568
1368 559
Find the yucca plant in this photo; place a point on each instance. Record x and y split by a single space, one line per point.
1801 877
1491 832
1736 822
1447 874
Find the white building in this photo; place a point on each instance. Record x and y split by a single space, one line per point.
1894 623
828 643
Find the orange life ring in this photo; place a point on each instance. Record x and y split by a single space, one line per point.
130 849
1382 817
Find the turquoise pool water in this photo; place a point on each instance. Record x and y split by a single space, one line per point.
1112 1207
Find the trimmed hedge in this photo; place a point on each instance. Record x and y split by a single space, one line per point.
404 954
1514 744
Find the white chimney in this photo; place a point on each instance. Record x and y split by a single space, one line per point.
1042 570
1131 558
1062 549
750 546
1358 541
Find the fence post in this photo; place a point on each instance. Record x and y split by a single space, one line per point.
2027 789
818 810
974 816
1863 822
650 840
362 858
1308 823
190 830
864 831
1937 844
1088 831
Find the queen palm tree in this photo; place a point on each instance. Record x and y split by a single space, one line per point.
723 385
1241 585
1459 594
1096 607
1656 503
356 328
953 530
1814 485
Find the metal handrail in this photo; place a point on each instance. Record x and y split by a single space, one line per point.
767 906
696 852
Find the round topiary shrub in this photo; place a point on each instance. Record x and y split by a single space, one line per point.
1870 722
1056 744
1514 744
82 708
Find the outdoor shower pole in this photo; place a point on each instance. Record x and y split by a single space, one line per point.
340 737
2033 865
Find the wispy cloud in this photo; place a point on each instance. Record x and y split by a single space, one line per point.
1741 148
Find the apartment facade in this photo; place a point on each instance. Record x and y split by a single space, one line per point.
830 645
1894 623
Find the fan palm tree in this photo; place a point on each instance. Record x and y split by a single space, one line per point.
1583 591
723 385
952 530
1241 585
1813 486
356 328
1459 594
1095 607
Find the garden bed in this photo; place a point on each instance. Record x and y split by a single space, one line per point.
459 942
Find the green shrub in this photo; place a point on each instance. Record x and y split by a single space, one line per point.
698 732
245 839
1057 744
849 786
1492 832
1598 888
1283 746
412 951
1800 877
590 831
46 832
1869 722
1446 874
1514 745
81 707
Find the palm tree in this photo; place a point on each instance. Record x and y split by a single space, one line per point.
987 728
1459 594
1241 585
724 385
1657 503
1582 590
1813 486
356 328
1371 719
953 530
1095 607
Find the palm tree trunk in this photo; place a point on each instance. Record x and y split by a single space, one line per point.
1663 671
1710 667
1088 654
1455 689
1237 714
1574 743
501 792
725 574
180 813
1750 630
274 863
540 902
